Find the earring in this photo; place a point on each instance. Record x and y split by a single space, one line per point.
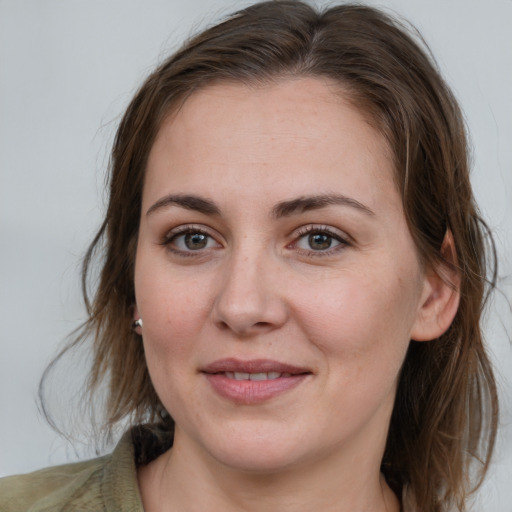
137 323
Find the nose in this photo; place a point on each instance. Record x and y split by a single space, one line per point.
249 301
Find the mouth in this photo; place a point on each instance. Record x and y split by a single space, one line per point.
255 381
256 376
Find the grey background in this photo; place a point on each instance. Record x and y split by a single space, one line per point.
68 69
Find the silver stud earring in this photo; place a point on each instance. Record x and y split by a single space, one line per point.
137 323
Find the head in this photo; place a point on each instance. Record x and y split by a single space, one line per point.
382 73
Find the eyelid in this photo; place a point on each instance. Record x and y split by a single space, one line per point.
183 229
308 229
342 237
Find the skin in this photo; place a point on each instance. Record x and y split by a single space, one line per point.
263 288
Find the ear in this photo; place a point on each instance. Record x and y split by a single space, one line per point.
440 298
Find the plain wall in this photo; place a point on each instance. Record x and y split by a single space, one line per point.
67 71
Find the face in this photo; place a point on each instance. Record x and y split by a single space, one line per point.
275 275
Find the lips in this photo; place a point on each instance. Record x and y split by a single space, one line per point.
252 366
255 376
254 381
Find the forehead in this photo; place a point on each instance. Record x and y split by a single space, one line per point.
296 132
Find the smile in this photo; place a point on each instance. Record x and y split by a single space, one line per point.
253 382
256 376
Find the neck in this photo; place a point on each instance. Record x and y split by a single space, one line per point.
186 479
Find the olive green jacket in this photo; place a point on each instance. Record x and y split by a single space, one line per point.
105 484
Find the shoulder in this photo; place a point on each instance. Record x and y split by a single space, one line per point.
52 488
105 483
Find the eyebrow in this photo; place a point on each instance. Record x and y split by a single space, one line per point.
306 203
282 209
190 202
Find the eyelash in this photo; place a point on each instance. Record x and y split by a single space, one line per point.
300 234
174 234
320 230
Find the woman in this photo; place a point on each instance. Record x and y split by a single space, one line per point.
293 278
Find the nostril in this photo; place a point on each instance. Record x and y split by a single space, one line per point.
261 324
246 330
223 326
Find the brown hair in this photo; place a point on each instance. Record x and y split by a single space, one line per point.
445 414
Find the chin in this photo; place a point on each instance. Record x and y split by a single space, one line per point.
258 461
258 449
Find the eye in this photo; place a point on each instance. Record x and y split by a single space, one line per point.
189 240
319 240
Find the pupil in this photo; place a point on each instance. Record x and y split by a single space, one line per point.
319 241
195 241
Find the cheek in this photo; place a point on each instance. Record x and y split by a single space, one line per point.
168 301
363 336
173 318
365 319
174 310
